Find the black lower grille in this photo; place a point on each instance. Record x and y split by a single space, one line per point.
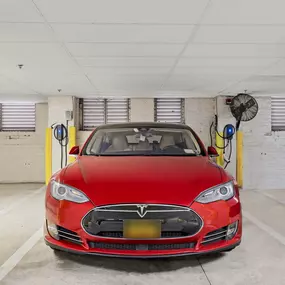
108 221
128 246
215 236
163 234
67 235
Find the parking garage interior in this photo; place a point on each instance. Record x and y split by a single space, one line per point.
87 63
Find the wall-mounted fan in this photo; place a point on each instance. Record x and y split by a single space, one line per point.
243 107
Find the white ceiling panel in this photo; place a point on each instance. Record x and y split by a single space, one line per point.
126 61
259 85
30 50
224 62
25 32
183 83
136 84
34 56
200 82
134 47
235 50
91 49
240 34
127 70
123 11
19 11
210 89
275 69
8 87
49 84
123 33
245 12
209 71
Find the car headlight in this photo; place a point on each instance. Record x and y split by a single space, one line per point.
220 192
64 192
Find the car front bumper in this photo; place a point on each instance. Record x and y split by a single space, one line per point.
138 254
216 217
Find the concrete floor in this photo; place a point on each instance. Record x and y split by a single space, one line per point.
25 260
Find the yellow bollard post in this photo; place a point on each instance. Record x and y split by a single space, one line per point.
239 158
72 141
48 154
220 143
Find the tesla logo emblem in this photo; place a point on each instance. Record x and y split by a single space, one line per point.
141 210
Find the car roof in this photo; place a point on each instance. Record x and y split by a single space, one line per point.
144 125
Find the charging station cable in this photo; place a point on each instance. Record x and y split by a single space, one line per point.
60 132
228 133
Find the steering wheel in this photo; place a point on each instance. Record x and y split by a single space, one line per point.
171 147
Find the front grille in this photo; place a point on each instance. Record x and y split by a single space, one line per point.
121 235
128 246
176 221
67 235
215 236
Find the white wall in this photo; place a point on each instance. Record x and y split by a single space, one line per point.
199 114
263 150
142 110
22 153
81 137
264 156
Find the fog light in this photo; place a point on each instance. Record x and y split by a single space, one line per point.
232 229
52 229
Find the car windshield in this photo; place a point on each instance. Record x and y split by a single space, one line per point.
142 141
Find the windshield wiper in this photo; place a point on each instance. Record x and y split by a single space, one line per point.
144 154
173 154
120 154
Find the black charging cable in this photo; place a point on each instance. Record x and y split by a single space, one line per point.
60 132
230 155
225 138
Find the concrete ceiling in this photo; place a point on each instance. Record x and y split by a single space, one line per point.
141 47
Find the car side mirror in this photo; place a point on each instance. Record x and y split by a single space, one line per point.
74 151
212 151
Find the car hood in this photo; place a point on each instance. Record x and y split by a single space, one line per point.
146 179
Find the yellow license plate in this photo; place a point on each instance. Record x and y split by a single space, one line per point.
142 229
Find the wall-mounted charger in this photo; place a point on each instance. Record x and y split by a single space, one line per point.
68 115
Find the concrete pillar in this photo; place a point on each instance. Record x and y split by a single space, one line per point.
142 110
57 106
225 117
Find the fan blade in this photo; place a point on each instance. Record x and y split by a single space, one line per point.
244 107
249 104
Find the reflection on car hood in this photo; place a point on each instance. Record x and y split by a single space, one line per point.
145 179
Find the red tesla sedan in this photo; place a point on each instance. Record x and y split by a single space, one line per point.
143 190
